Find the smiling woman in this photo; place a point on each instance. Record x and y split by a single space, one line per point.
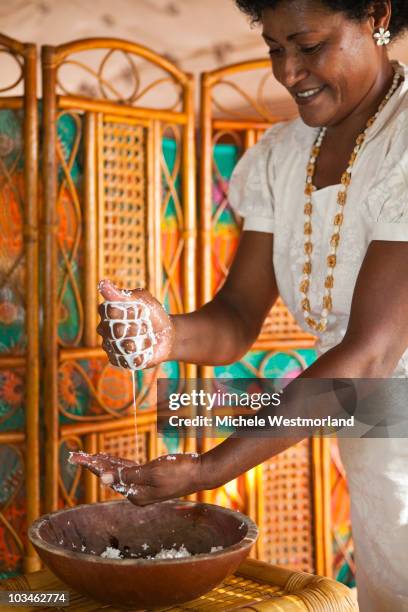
325 206
331 41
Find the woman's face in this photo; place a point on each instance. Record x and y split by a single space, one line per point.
327 62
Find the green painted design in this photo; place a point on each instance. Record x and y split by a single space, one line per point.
69 315
67 132
169 148
225 157
278 365
11 138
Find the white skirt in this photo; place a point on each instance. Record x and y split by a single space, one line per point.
377 474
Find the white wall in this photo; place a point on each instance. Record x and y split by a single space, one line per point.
198 35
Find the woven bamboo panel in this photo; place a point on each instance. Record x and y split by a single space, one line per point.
128 445
280 323
286 525
233 592
124 215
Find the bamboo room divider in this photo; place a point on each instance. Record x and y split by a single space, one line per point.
19 300
288 496
118 201
109 224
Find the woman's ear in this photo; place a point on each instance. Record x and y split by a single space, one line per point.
379 14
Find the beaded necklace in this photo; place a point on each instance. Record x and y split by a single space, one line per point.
321 324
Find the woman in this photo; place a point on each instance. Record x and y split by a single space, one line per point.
325 207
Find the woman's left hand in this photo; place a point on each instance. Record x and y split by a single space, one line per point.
166 477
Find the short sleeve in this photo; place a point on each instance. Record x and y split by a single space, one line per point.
250 190
388 204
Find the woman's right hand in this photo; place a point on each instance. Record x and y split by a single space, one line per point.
136 330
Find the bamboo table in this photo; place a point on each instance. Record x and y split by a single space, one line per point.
255 586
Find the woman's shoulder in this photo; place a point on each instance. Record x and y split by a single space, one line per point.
396 123
288 135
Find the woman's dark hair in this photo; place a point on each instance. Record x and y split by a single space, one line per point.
355 9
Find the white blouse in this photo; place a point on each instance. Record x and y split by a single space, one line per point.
267 189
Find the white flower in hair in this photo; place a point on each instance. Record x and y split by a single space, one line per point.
382 37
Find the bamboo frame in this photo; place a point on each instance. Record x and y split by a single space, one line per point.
251 129
50 296
28 56
124 110
96 110
189 262
155 195
90 238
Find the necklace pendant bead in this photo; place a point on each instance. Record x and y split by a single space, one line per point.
312 323
331 261
342 198
328 303
335 241
304 286
306 305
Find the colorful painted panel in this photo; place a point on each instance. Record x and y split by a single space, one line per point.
343 550
71 486
93 390
268 364
12 397
12 259
70 220
13 527
12 341
225 231
172 221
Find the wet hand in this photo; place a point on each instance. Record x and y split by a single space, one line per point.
167 477
136 330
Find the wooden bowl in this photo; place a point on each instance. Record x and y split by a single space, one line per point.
71 541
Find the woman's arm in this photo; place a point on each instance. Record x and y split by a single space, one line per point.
376 337
223 330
